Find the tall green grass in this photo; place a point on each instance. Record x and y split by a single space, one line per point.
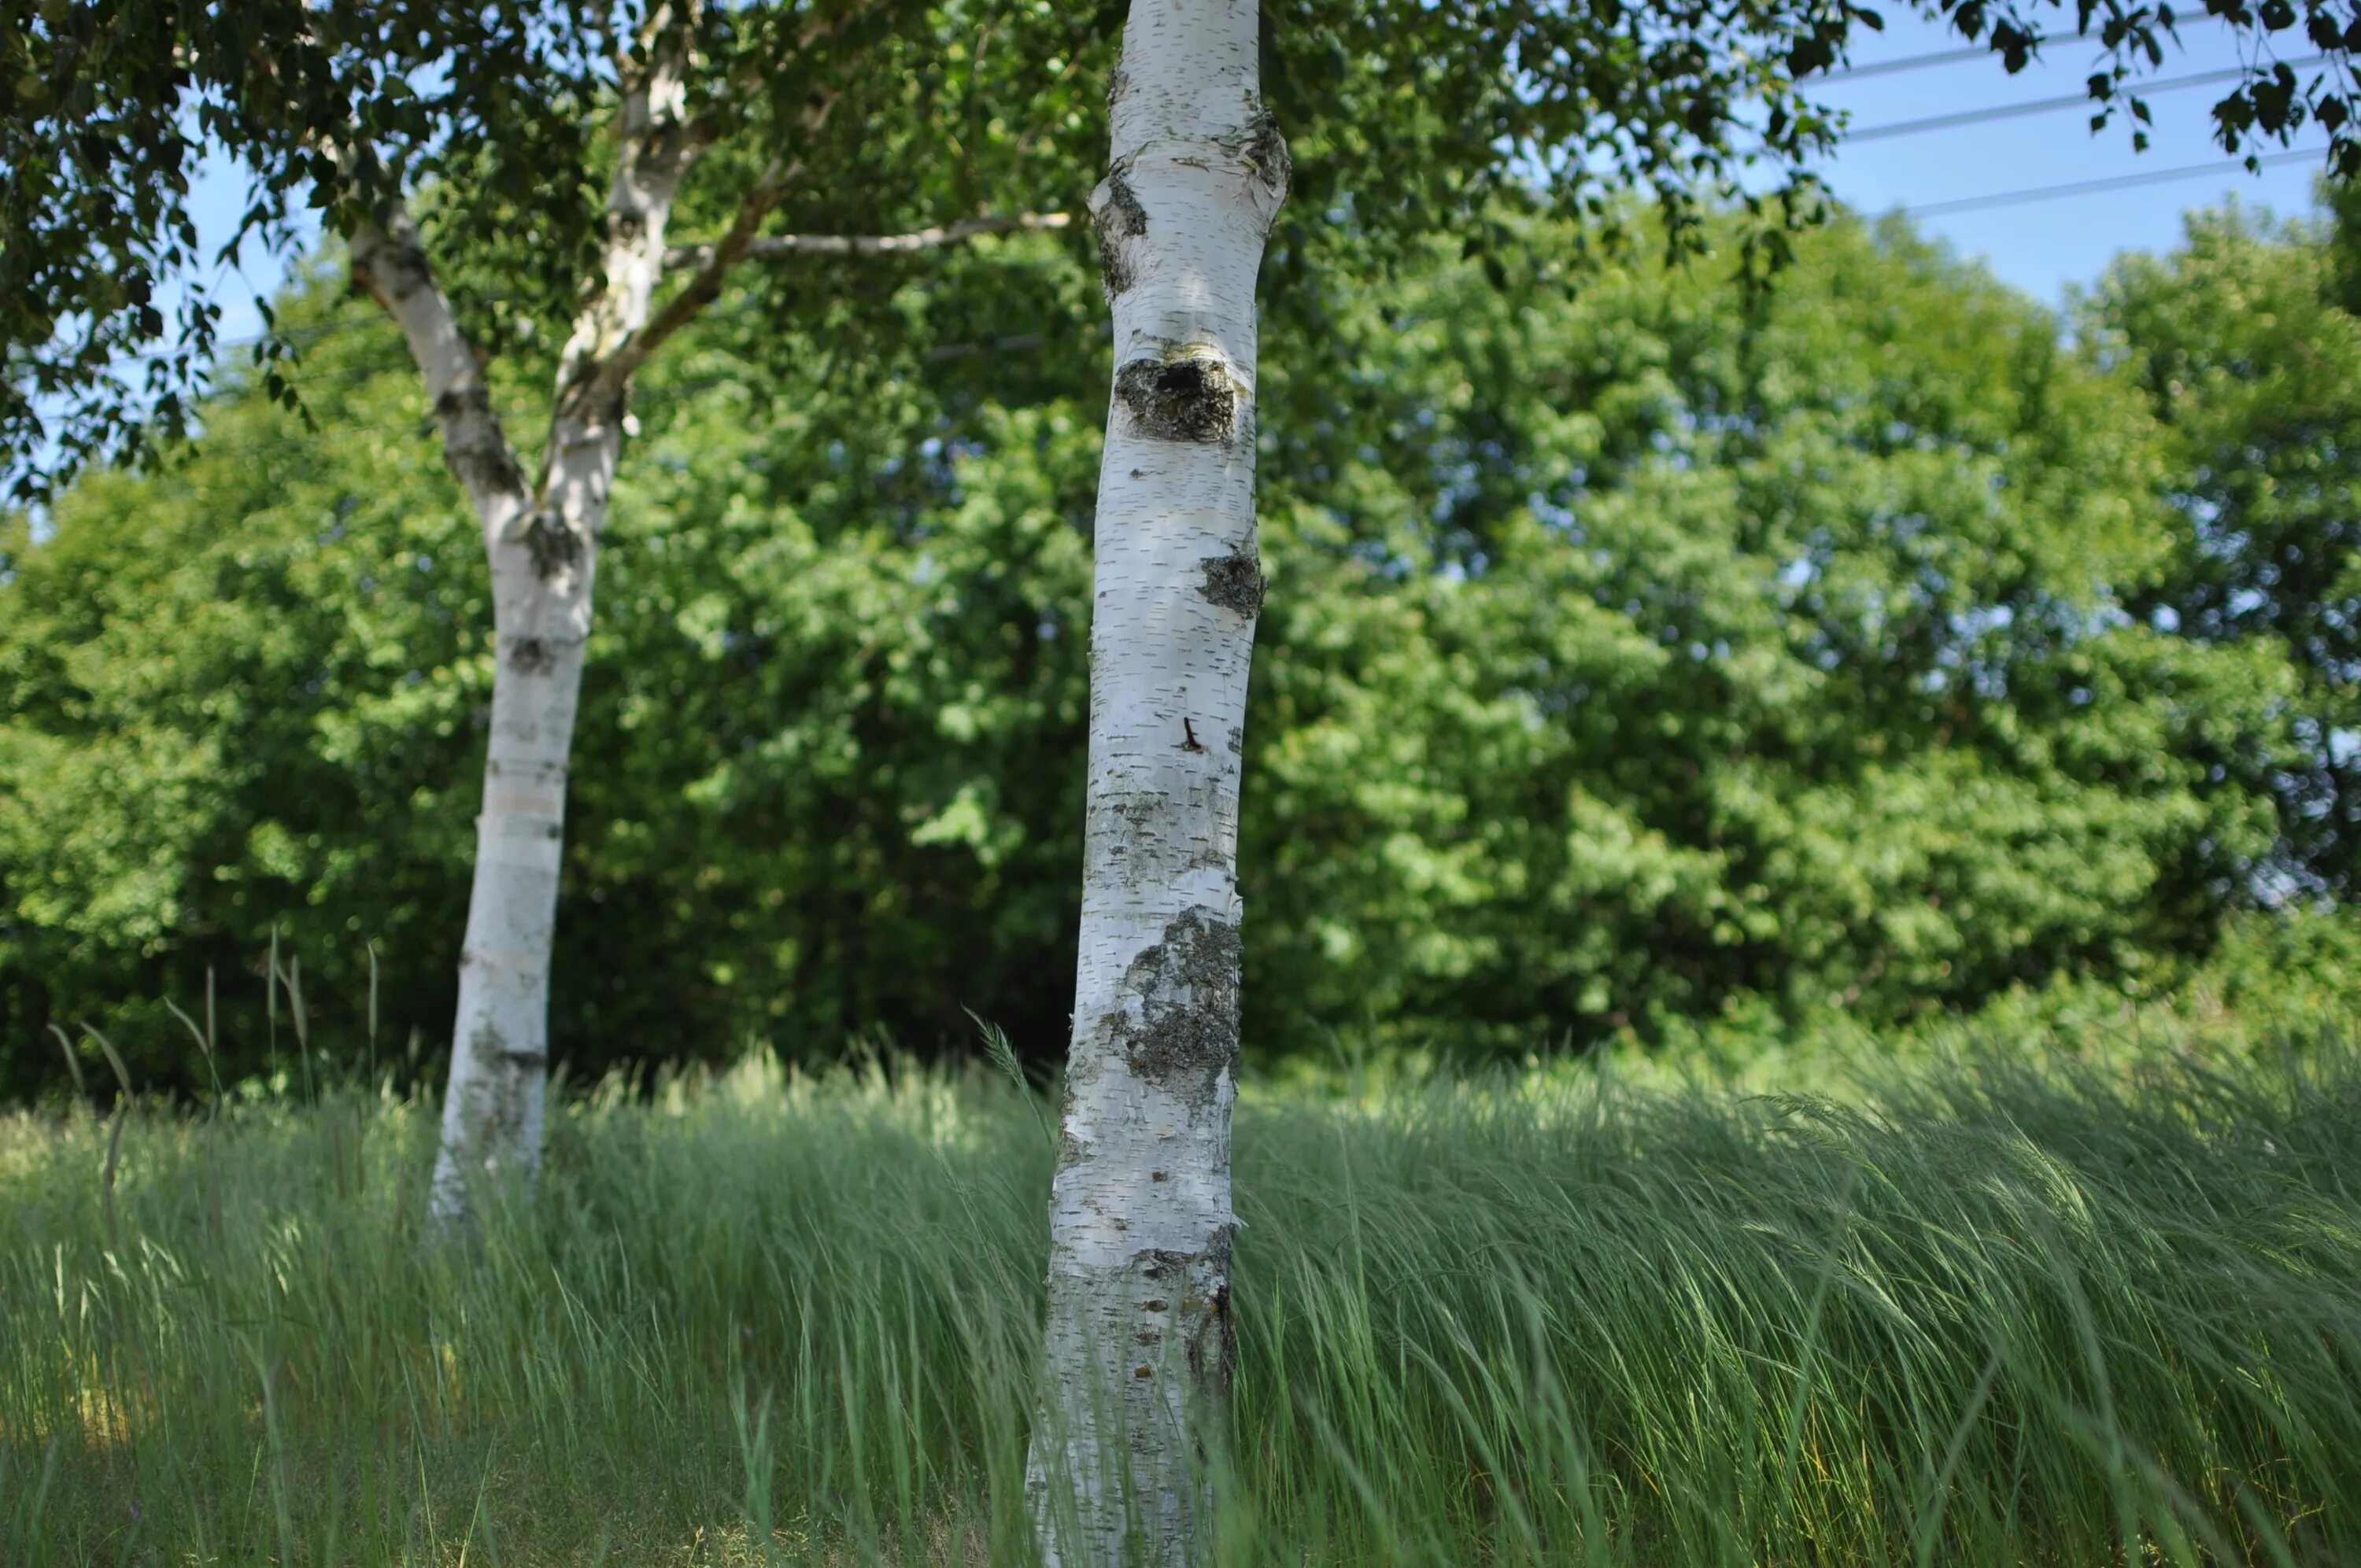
1984 1312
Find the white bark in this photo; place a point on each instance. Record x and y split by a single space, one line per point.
542 544
771 247
1139 1345
544 550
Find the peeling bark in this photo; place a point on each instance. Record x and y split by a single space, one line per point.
1138 1348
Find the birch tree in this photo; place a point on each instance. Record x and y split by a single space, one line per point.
542 536
488 115
1140 1221
1138 1344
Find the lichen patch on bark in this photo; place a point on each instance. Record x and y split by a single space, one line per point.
1186 396
1234 581
1186 1034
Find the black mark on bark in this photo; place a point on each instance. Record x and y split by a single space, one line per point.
530 655
1120 211
1159 1263
497 1098
553 545
472 445
1119 217
405 270
1234 581
462 401
1188 398
1266 151
1208 1333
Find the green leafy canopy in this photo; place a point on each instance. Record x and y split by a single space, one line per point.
1409 117
1636 660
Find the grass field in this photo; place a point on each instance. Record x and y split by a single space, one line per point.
1978 1312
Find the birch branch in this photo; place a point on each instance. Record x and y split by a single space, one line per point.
715 260
681 258
389 264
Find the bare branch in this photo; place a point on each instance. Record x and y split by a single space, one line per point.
680 258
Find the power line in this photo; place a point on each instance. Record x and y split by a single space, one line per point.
2092 187
1907 62
1940 57
2048 105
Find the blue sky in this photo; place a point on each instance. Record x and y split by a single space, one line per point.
2043 247
2040 246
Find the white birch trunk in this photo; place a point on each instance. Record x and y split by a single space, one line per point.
1139 1345
543 546
391 265
543 552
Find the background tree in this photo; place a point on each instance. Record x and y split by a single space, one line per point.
503 122
1495 798
2244 342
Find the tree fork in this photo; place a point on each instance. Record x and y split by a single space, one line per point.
543 557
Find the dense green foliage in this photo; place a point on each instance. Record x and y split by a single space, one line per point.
495 116
1988 1312
2246 342
1635 659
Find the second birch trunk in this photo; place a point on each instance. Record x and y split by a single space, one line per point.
543 556
1139 1342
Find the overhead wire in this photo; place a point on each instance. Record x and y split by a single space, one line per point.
1941 57
1907 62
2094 186
1965 118
1959 120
